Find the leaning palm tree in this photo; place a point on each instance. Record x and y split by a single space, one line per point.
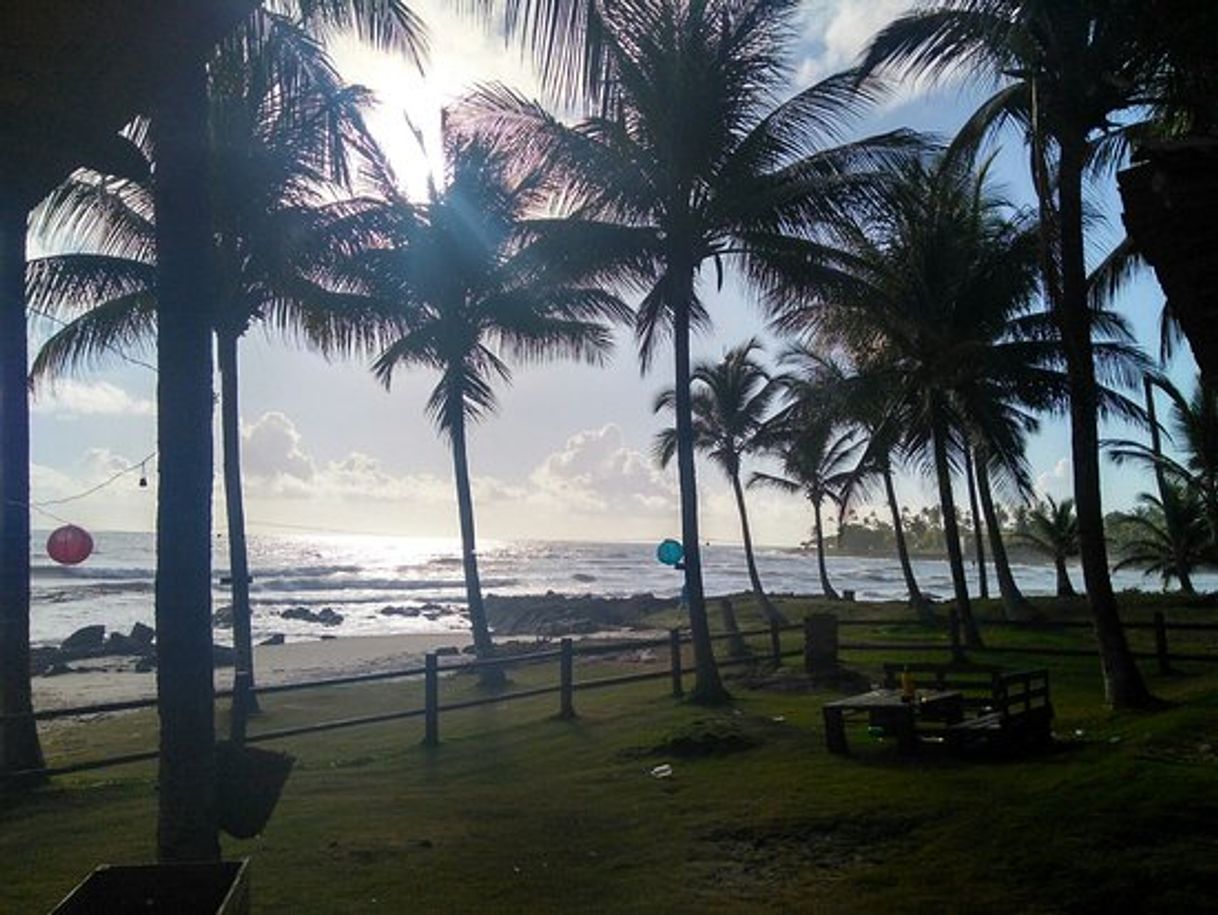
471 293
276 237
1051 528
1069 74
730 403
1171 536
689 164
857 400
817 460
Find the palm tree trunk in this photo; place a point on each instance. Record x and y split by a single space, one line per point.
770 611
1064 588
187 827
1186 580
951 534
983 583
234 503
708 687
19 746
917 599
825 587
483 646
1123 682
1014 604
1156 440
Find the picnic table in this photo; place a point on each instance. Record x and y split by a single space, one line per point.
891 710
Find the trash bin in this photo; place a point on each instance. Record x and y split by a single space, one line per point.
220 888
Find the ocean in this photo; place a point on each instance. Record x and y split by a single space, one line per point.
362 577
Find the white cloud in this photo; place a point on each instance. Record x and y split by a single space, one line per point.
596 472
1058 482
68 397
836 31
270 449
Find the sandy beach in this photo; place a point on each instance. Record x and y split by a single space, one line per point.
112 679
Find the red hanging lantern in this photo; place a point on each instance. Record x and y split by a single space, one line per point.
69 545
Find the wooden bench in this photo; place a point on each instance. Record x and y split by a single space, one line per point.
1002 709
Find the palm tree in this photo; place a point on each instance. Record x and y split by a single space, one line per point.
187 818
857 400
970 481
687 165
1171 536
729 403
1194 431
1069 71
471 291
273 167
818 461
1051 527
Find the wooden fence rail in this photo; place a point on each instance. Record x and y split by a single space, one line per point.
819 649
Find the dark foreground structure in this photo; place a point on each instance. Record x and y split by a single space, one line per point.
72 74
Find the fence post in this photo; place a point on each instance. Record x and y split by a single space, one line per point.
820 643
566 676
775 643
674 651
953 625
431 701
1161 643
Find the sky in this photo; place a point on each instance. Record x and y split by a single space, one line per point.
568 455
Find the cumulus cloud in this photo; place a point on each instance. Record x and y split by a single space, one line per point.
596 472
270 449
1058 482
69 398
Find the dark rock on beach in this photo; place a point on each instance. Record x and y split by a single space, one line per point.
324 617
400 611
276 639
84 641
142 635
223 617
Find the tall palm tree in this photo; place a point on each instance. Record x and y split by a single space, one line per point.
1171 536
472 292
688 165
1068 71
187 813
730 403
817 460
1051 527
940 276
274 167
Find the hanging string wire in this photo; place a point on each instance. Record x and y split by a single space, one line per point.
114 478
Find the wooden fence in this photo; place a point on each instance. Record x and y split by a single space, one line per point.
818 651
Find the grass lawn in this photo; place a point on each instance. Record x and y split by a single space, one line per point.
517 811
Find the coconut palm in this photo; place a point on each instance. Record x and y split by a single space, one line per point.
273 168
1068 72
472 293
1171 536
730 403
1051 528
179 132
970 485
817 460
1194 431
689 165
858 400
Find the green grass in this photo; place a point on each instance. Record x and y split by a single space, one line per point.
517 811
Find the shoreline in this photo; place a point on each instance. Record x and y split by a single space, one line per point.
111 679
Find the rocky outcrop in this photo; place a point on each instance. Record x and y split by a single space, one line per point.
324 617
552 614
